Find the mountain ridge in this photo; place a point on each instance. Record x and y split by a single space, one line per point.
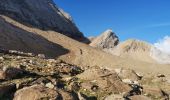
43 14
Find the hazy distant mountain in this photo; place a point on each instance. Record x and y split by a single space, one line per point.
134 49
130 49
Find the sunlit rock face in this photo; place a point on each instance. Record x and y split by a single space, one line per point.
106 40
43 14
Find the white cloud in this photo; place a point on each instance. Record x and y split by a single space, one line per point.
163 45
161 51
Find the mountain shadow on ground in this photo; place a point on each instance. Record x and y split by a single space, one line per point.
14 38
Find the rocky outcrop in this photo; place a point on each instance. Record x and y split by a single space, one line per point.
106 40
43 14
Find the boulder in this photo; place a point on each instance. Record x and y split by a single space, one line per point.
66 95
2 75
102 80
11 73
7 90
36 92
155 93
50 85
1 58
128 74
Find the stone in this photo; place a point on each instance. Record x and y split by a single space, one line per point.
80 96
36 92
1 58
50 85
10 73
86 85
128 81
66 95
6 90
114 97
41 56
103 79
155 92
160 75
129 74
2 75
139 97
51 60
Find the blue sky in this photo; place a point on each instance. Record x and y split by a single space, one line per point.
147 20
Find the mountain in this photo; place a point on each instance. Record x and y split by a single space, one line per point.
43 14
106 40
67 49
39 62
134 49
15 38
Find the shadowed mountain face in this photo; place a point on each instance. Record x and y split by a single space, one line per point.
43 14
14 38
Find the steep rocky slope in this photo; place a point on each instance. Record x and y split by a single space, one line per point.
43 14
106 40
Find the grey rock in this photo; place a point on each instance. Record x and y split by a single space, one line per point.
1 58
106 40
139 97
50 85
2 75
36 92
43 14
41 56
10 73
6 90
114 97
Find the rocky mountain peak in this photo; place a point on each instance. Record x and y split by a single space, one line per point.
108 32
42 14
107 39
